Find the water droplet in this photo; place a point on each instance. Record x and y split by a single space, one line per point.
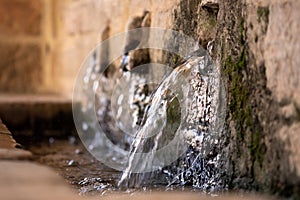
85 126
120 99
91 147
72 163
78 151
51 140
95 86
72 140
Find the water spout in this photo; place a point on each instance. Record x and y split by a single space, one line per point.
171 130
183 115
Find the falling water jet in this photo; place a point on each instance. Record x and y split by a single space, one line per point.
197 88
198 94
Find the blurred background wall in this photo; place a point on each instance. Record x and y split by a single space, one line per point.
43 42
22 46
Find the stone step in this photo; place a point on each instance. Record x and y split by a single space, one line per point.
37 114
9 148
30 181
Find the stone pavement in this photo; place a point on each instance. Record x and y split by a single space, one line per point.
29 181
21 178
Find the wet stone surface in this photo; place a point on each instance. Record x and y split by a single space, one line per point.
69 158
86 175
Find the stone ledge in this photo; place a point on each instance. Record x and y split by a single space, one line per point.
37 114
9 147
30 181
14 154
26 180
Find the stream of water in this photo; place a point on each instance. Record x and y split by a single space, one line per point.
178 139
173 127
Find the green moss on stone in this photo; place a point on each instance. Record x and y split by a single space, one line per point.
239 90
173 115
240 108
239 93
263 14
242 32
209 23
257 148
175 59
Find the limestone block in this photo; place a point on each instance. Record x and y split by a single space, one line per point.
20 17
290 136
37 114
25 180
80 17
282 47
29 181
20 67
8 146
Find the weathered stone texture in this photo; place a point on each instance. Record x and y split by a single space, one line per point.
21 30
37 115
257 44
25 180
29 181
20 17
281 53
8 146
282 47
20 67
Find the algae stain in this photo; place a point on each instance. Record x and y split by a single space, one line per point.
209 23
176 59
240 108
239 91
242 32
263 15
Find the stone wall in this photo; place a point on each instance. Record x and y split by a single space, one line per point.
20 45
255 43
81 25
256 46
44 42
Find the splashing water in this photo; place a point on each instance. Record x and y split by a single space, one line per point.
185 110
175 130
